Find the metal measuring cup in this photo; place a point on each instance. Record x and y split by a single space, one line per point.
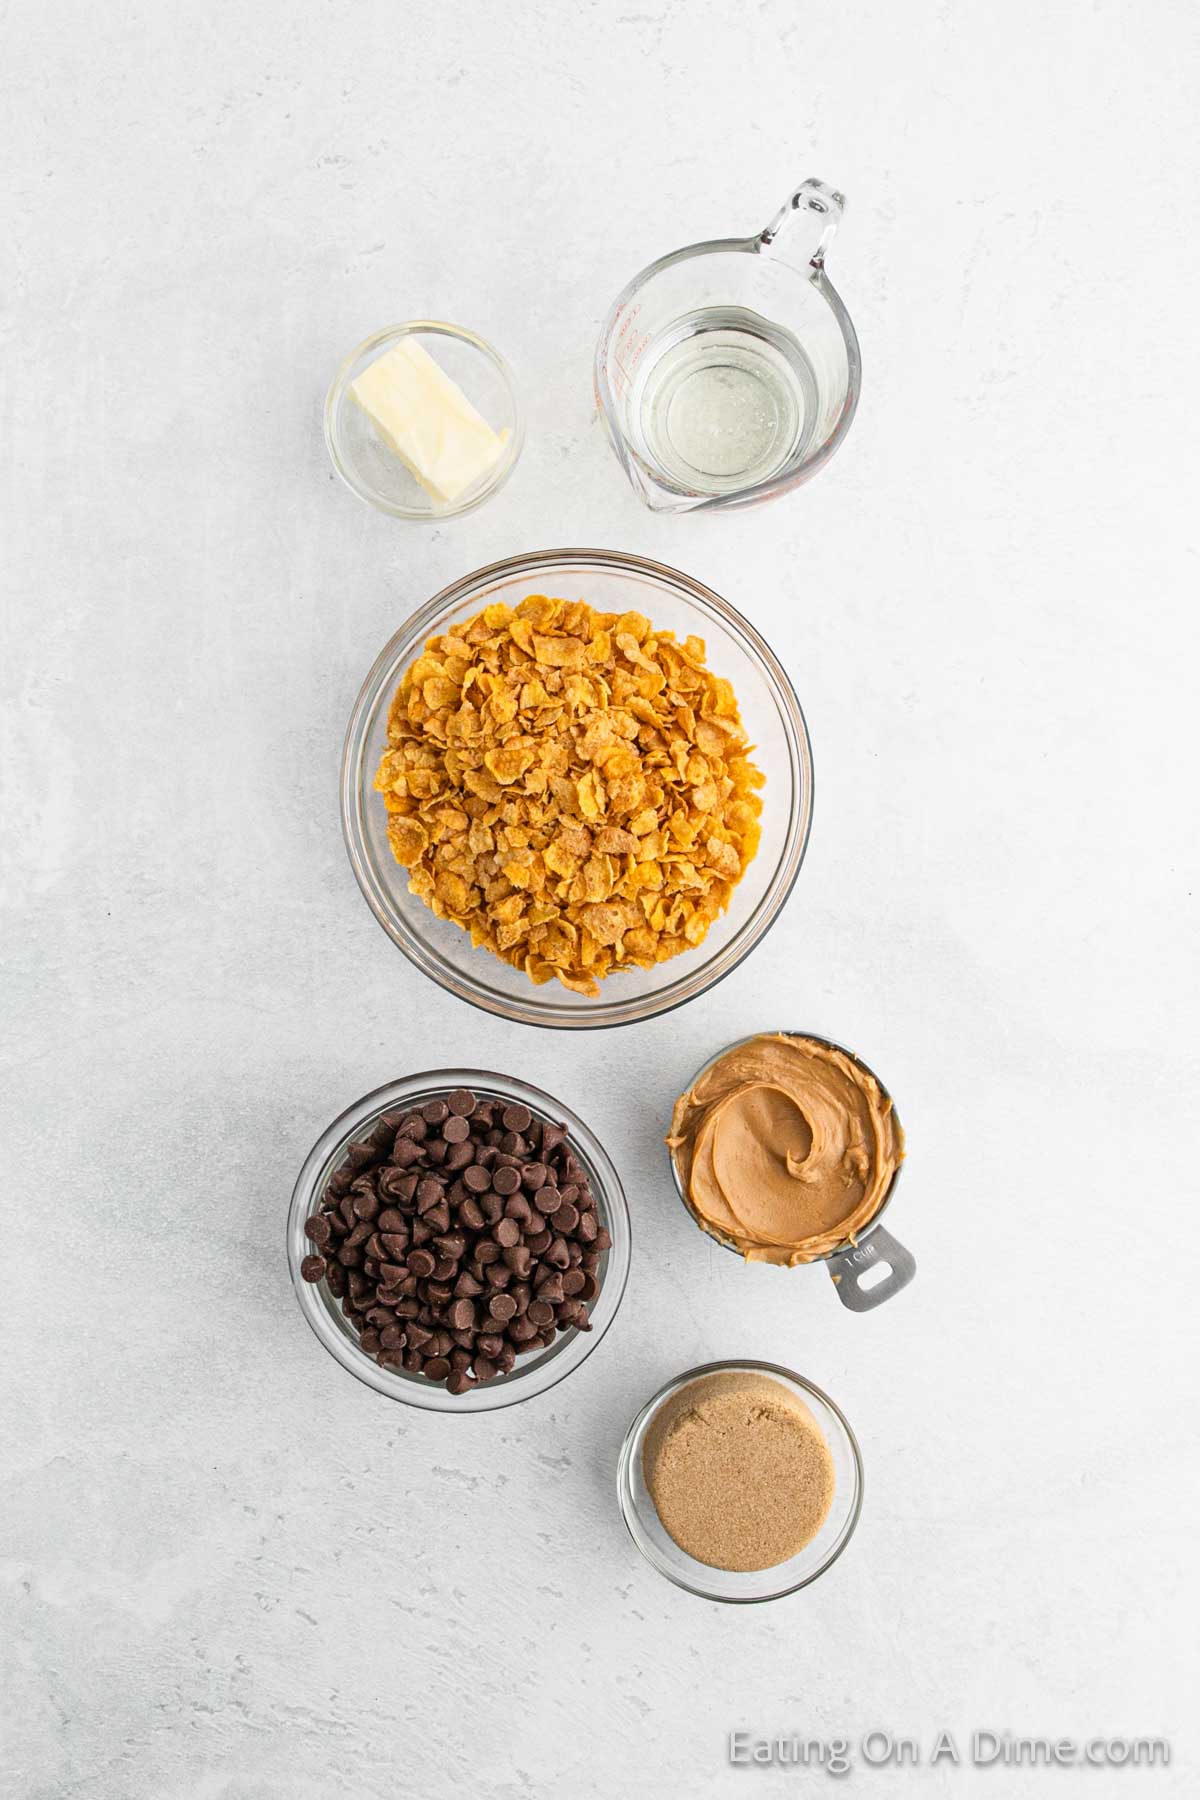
874 1247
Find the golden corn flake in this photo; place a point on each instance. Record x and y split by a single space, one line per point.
571 787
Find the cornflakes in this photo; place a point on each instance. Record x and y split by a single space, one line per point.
571 787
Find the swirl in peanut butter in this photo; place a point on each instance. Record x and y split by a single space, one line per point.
786 1148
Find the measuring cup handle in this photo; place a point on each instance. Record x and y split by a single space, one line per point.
879 1250
803 228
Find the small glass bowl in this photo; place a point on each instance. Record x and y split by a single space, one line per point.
610 581
533 1373
376 473
742 1588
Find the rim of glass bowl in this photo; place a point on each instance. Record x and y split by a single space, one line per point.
629 1512
538 1374
430 514
538 1008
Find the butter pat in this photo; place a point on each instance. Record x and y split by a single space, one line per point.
427 420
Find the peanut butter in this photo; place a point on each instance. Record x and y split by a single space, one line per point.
785 1148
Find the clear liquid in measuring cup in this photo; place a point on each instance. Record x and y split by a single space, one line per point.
722 399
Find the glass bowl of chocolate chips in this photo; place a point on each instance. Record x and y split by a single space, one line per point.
459 1240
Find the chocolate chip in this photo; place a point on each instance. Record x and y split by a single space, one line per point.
437 1368
506 1180
435 1112
313 1268
318 1230
462 1102
456 1130
429 1193
534 1175
566 1218
516 1118
507 1233
477 1179
421 1263
502 1306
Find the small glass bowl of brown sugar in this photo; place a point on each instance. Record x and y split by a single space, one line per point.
740 1481
459 1117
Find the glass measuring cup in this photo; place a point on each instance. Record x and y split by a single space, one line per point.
729 372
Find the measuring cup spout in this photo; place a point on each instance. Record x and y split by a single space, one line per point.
801 231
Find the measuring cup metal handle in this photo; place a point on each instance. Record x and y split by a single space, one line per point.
879 1250
803 228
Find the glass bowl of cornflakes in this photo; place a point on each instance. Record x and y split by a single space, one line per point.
616 681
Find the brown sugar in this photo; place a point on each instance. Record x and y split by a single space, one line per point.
739 1471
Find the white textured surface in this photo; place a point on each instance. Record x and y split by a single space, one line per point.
230 1573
